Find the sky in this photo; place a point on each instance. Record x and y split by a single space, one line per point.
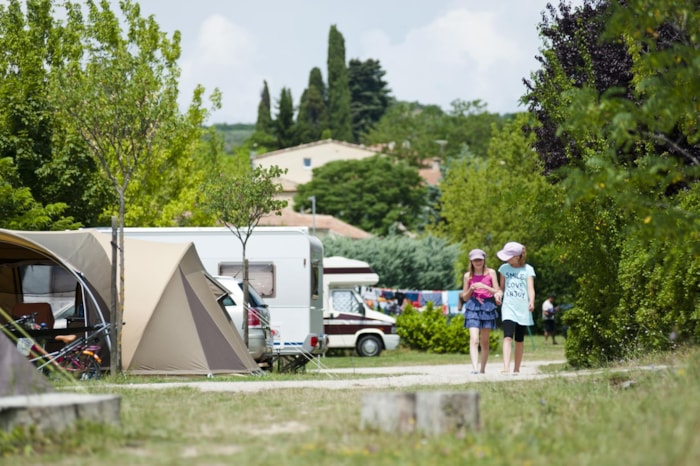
433 51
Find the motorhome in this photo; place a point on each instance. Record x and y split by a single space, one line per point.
285 267
349 322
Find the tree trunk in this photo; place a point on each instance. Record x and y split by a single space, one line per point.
120 304
246 299
113 347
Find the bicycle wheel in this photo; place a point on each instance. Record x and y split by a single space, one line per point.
91 366
85 365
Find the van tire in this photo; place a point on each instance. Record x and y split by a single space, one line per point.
369 346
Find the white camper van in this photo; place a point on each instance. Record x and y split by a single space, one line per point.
348 320
284 266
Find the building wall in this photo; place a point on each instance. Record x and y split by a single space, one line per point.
301 160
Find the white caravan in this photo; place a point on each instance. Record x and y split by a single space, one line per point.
348 321
285 266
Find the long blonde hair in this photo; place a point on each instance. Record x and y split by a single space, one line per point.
521 262
472 271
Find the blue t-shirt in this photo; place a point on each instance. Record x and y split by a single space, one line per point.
516 301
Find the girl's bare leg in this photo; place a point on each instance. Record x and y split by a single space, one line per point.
519 348
474 348
506 353
484 348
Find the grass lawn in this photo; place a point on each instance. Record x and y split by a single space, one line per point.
638 417
535 349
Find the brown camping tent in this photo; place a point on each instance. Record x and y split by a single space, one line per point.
173 323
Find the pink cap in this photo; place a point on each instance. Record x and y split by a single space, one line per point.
476 254
510 250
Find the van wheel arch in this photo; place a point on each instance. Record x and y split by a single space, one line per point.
369 345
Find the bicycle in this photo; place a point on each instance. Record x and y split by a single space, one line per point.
21 325
79 357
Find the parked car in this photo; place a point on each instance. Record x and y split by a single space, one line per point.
260 341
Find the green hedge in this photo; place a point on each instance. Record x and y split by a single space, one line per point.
430 330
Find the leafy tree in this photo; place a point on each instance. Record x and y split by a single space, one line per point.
234 134
487 202
408 132
373 193
165 186
52 165
312 120
239 202
20 211
574 57
236 162
285 129
339 111
369 95
117 92
631 185
415 133
424 263
469 128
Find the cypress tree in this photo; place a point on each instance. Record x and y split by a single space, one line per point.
264 122
338 89
369 95
284 124
313 116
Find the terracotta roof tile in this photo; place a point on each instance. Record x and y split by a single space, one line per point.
316 143
324 223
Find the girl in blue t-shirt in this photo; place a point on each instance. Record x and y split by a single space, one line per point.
517 284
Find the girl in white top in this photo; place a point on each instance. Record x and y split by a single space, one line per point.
517 284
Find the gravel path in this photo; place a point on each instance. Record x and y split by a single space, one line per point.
385 377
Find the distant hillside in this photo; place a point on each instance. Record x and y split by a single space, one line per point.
234 134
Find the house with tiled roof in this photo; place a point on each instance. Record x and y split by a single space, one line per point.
431 172
319 225
299 161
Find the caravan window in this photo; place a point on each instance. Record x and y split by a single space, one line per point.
345 301
315 279
261 275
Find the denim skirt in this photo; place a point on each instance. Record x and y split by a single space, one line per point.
480 313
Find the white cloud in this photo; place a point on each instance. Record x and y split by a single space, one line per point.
459 55
224 58
451 49
223 43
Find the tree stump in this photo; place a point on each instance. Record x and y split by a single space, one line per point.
390 412
431 413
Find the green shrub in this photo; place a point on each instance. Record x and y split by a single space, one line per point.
416 329
639 291
430 330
